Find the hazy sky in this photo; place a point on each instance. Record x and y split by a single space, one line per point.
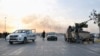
49 15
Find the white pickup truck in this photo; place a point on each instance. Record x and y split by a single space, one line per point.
22 35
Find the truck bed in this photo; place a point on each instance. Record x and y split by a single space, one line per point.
82 34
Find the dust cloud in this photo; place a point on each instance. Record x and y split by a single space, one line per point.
43 23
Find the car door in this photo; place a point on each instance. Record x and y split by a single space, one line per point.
30 35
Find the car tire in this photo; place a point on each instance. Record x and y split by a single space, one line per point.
48 39
10 42
25 40
33 40
65 39
56 39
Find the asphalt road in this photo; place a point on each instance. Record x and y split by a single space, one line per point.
49 48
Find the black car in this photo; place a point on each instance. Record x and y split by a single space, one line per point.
52 37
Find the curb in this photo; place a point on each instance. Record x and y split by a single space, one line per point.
97 40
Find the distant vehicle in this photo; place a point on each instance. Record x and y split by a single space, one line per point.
22 35
52 37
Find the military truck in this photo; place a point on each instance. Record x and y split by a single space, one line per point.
77 34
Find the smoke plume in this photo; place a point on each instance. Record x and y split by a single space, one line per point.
43 23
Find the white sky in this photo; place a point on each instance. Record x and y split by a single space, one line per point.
64 11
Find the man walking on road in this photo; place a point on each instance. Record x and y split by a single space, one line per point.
43 35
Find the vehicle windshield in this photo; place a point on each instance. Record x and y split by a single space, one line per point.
52 33
21 31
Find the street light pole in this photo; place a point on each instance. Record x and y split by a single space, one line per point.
5 24
5 33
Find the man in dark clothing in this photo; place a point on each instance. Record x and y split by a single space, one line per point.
69 30
43 34
77 32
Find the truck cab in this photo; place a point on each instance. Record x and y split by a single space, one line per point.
22 35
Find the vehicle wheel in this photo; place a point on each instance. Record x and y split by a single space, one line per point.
65 39
25 40
56 39
33 40
48 39
93 41
10 42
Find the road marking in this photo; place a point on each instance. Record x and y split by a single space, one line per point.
3 48
16 52
90 51
96 49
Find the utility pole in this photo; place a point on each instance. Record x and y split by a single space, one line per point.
96 17
5 24
5 33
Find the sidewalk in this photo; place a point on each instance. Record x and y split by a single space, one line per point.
97 40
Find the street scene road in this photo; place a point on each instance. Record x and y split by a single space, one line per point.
49 48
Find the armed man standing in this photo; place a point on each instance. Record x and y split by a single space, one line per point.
43 35
69 30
